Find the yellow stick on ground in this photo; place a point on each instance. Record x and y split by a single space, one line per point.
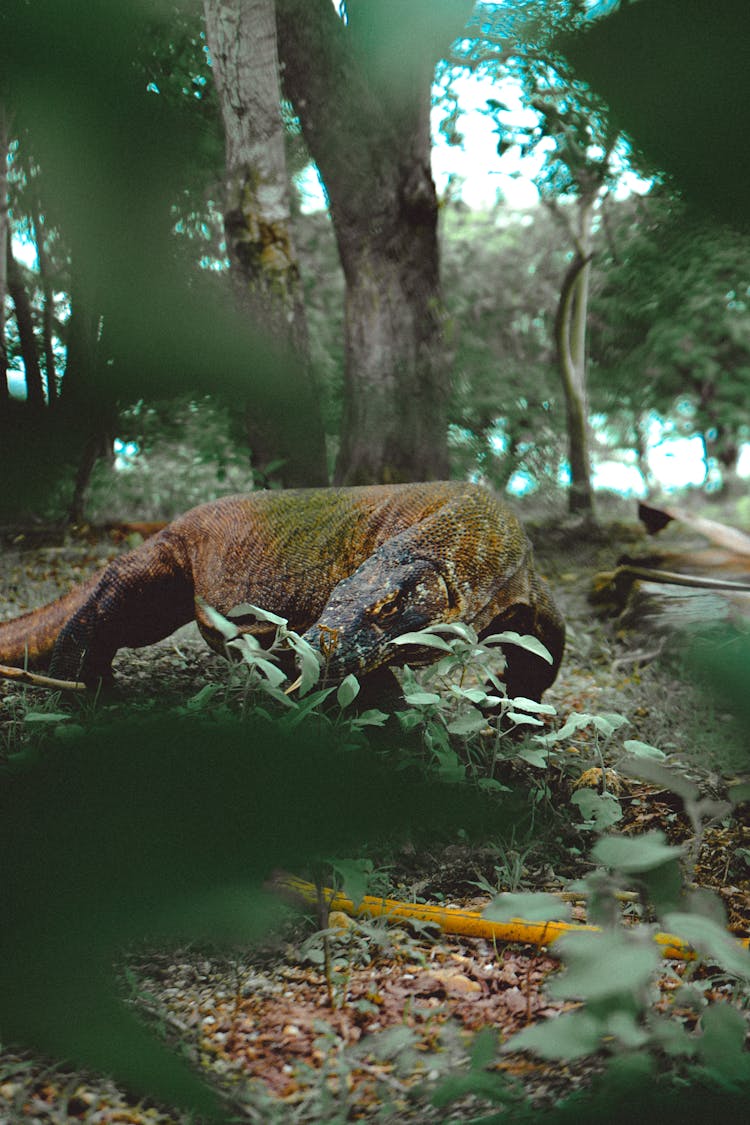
467 923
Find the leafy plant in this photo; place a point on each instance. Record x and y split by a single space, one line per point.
462 696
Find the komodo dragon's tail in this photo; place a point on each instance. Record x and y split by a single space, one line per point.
28 640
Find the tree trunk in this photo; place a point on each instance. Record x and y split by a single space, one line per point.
570 340
48 302
640 430
362 93
394 424
241 36
25 321
4 245
87 413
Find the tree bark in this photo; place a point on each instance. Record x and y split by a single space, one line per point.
85 409
570 340
4 245
48 302
362 93
640 431
25 321
241 36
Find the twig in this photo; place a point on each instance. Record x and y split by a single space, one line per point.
33 678
639 657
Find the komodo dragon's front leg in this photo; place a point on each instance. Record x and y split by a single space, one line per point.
140 598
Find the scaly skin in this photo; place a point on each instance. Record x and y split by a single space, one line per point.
350 568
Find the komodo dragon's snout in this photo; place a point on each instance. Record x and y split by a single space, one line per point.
380 601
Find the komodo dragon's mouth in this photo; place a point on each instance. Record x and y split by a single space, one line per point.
371 608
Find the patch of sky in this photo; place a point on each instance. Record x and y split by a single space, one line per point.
126 453
675 461
465 160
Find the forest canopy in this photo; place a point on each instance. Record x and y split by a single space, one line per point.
159 265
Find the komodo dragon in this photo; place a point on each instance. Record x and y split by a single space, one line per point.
350 568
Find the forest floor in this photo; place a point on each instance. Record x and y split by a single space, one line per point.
377 1033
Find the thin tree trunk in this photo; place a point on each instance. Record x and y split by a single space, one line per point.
48 303
570 340
640 427
4 247
241 36
25 321
97 445
81 346
89 417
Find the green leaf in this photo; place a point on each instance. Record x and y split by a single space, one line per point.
712 940
647 769
424 639
496 1088
608 723
531 644
308 660
474 695
625 1027
308 704
371 718
642 749
722 1045
354 875
574 722
348 691
249 641
522 704
408 720
421 698
537 906
388 1044
634 854
483 1050
569 1036
492 784
227 628
467 724
262 614
202 697
604 965
457 628
536 758
672 1037
601 808
523 720
268 669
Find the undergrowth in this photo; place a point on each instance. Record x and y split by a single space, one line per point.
457 724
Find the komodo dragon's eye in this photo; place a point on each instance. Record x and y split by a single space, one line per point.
386 607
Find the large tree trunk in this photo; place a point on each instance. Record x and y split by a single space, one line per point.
362 93
241 36
395 393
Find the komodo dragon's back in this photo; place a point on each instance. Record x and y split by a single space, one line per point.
350 568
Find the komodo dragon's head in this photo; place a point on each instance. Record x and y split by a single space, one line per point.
385 598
